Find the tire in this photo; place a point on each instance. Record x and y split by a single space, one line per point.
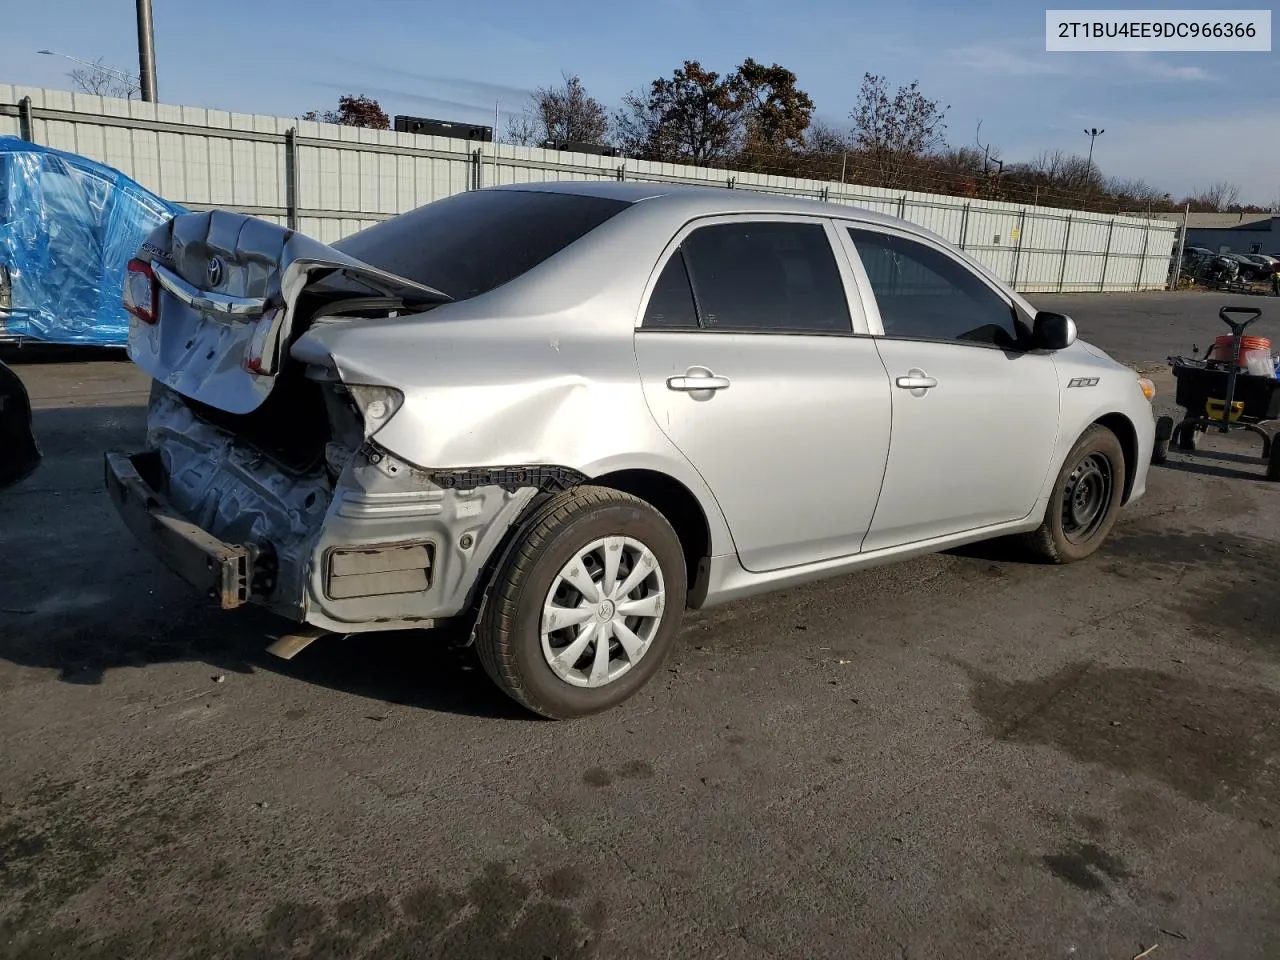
1273 459
1060 538
509 637
1186 437
1164 431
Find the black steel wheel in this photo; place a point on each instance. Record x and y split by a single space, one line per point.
1085 500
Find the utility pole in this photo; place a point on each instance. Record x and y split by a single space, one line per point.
146 52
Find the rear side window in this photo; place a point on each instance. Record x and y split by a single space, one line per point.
671 305
774 277
472 242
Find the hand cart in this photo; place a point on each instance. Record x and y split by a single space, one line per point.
1218 395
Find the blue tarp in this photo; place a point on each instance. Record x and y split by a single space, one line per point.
68 227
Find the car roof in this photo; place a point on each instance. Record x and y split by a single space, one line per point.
692 201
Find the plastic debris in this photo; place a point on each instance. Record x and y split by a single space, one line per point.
68 228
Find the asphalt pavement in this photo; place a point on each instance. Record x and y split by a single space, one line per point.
960 756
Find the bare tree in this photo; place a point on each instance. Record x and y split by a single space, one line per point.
104 81
1215 198
566 112
896 130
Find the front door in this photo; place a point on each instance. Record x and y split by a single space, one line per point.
975 413
750 365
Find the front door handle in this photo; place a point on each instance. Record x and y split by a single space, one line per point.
689 384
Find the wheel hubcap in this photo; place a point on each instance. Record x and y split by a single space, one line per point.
602 611
1086 498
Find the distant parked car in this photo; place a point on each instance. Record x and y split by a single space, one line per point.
562 413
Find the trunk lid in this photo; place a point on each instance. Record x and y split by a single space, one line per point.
234 291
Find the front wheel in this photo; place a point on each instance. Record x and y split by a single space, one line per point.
1085 499
587 605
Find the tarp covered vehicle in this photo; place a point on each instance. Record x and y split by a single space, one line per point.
68 226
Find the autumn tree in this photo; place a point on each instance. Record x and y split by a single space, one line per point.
104 81
774 112
700 116
353 111
894 130
564 112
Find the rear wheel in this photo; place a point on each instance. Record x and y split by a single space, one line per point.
1085 499
587 606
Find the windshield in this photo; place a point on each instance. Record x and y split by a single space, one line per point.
472 242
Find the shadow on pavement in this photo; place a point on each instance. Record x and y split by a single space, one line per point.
80 596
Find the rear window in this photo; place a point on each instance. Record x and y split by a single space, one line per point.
472 242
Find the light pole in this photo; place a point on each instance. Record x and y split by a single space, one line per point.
1093 134
118 74
146 52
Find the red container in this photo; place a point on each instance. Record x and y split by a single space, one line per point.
1223 347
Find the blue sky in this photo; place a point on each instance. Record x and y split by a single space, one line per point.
1176 120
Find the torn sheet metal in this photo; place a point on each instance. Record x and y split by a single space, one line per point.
68 227
229 287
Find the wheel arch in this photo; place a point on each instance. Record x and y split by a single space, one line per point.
1127 434
677 503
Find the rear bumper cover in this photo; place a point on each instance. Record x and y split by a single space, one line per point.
221 571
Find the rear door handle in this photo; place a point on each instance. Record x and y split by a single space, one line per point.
916 379
697 383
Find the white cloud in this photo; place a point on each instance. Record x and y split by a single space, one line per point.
1145 65
1009 59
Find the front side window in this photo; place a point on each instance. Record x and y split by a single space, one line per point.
925 295
755 276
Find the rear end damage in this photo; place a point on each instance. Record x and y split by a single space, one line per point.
262 480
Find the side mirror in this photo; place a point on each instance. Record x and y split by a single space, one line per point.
1053 331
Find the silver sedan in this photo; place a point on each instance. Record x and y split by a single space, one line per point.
564 413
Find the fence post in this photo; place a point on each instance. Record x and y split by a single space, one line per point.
1142 263
1106 255
902 207
477 163
622 172
730 182
1066 251
291 177
964 226
26 128
1182 246
1017 250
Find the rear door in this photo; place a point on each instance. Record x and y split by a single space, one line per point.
755 362
975 413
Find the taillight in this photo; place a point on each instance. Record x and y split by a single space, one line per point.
142 291
256 360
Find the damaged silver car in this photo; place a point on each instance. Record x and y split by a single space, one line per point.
563 413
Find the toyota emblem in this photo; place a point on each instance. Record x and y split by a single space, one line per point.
214 271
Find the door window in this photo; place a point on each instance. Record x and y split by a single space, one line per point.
754 277
923 294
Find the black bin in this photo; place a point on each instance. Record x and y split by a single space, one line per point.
1260 395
